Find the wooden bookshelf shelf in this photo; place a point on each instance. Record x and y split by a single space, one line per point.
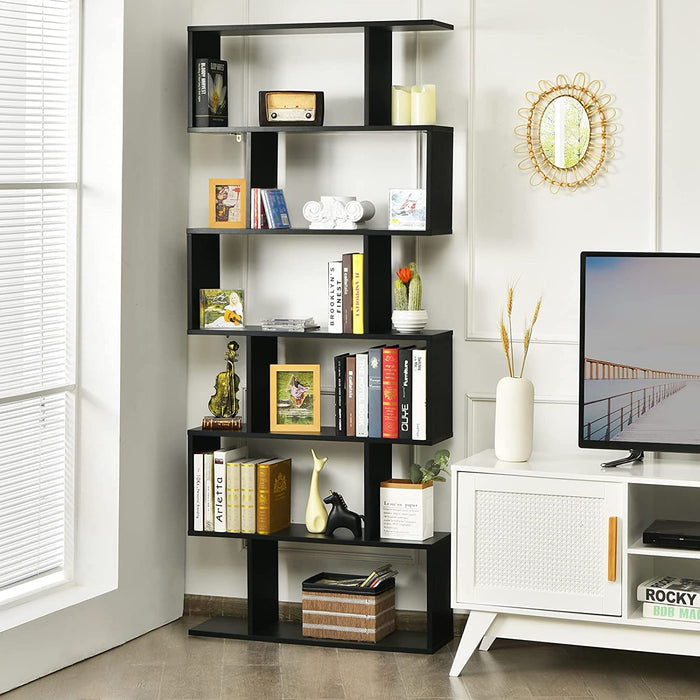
261 349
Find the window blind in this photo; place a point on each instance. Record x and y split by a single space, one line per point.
38 205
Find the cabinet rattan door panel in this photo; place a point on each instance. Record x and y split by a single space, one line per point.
537 543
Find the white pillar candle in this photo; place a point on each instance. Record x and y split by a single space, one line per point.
400 105
423 104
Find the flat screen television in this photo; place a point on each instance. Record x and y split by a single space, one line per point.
639 364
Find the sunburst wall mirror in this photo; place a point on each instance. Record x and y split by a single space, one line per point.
568 132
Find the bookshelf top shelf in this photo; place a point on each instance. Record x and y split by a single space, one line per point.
427 128
321 332
397 25
313 232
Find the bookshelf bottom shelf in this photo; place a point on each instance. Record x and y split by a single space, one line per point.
290 633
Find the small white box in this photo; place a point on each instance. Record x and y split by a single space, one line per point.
405 510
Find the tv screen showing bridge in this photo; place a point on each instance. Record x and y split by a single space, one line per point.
641 361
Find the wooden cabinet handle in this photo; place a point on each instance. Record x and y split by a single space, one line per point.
612 548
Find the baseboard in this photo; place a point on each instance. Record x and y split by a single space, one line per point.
213 606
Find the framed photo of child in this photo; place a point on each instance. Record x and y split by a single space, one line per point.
295 399
227 203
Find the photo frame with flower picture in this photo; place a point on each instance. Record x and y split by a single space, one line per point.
227 203
295 398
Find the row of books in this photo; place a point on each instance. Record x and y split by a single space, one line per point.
346 294
670 598
381 393
236 493
269 208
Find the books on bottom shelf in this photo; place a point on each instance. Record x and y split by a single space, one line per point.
670 598
236 493
381 393
346 294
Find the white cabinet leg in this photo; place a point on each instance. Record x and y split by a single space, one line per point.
478 624
486 642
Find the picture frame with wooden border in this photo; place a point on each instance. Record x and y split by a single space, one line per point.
295 398
227 203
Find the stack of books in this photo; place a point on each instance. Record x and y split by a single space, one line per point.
237 493
380 574
381 393
670 598
288 324
346 294
269 209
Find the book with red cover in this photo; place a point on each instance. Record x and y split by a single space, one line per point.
390 392
350 388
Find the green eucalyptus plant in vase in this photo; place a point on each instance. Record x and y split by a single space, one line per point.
515 394
409 316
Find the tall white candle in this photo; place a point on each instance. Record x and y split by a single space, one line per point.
400 105
423 104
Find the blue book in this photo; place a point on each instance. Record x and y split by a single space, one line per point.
275 209
374 391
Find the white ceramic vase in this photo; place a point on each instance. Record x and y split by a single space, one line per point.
409 321
515 401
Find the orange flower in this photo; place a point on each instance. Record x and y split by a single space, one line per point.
404 274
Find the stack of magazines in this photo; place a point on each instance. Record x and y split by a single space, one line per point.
288 324
380 574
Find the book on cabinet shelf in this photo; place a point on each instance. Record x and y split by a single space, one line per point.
273 495
405 393
671 612
669 590
361 394
350 381
374 391
390 391
358 323
419 394
221 459
346 294
340 364
335 296
211 101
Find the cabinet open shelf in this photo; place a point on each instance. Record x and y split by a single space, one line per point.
262 161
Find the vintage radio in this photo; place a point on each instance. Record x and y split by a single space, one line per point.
291 108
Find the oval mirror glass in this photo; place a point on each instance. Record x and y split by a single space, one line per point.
565 131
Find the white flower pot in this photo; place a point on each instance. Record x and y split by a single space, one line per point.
409 321
405 510
515 401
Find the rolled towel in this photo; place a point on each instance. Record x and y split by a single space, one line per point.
359 211
313 211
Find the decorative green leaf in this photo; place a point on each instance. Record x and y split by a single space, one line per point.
416 474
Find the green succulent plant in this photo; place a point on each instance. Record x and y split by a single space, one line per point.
433 469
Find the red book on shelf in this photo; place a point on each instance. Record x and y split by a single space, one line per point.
390 392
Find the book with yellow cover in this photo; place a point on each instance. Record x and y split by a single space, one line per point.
358 312
248 490
274 490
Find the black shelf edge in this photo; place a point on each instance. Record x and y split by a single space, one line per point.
318 129
290 633
397 25
425 334
297 532
313 232
327 434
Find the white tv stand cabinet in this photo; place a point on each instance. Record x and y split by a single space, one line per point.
551 550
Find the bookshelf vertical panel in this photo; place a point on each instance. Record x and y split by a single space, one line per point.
199 45
438 180
377 279
377 76
196 443
377 469
202 271
261 352
439 387
263 607
440 624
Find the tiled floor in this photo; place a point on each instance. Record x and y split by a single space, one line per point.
168 664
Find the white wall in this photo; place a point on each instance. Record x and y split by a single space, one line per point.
504 229
132 344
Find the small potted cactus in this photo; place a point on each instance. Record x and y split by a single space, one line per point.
409 315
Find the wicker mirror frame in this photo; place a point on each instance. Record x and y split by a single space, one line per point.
602 129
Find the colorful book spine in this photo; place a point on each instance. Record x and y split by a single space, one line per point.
671 612
358 312
374 391
361 394
405 391
198 491
418 407
275 208
390 392
273 500
211 102
670 590
335 296
350 382
339 362
248 495
209 492
347 293
233 497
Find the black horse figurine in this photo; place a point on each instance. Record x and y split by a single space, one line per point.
340 516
